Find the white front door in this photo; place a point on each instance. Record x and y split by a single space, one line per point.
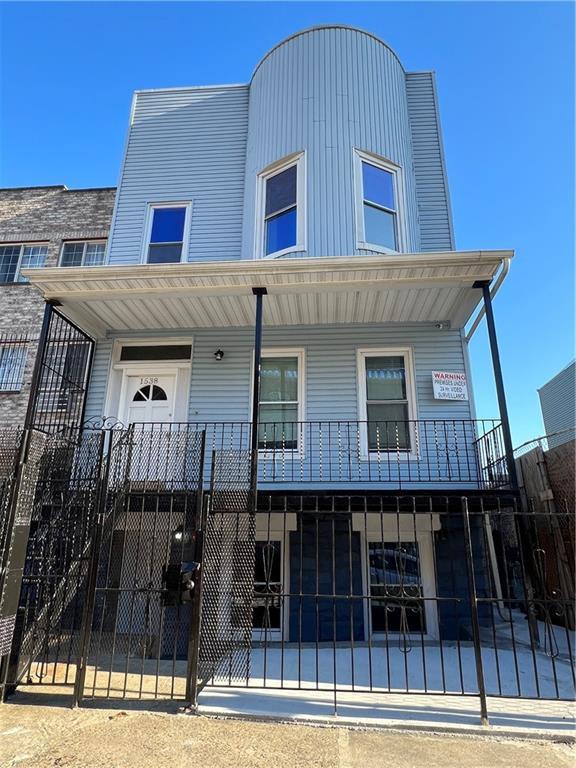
149 398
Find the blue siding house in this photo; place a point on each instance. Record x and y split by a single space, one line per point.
281 276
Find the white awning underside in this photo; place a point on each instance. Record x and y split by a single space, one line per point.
434 287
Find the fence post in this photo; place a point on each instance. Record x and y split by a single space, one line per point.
92 577
474 611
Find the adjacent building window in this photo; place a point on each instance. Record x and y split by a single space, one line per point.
83 254
12 364
167 233
282 209
378 223
266 603
385 404
280 401
14 258
396 589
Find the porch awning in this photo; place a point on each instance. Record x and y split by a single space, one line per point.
415 287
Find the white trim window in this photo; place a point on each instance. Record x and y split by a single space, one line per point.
280 208
14 258
281 400
378 193
77 253
387 400
167 230
268 589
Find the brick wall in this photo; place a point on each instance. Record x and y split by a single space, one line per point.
46 216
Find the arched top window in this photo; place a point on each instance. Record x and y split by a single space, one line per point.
150 392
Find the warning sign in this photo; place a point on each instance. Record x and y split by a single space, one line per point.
449 386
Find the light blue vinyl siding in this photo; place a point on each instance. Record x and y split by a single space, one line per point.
558 404
324 92
435 216
328 91
220 390
185 145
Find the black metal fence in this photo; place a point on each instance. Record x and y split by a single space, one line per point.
379 594
346 453
61 379
138 584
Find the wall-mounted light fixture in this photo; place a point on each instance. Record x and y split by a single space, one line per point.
218 354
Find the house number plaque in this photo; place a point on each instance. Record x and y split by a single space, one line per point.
149 380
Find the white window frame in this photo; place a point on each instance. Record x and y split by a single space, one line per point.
86 243
150 208
361 156
362 354
301 355
17 274
400 529
299 160
119 371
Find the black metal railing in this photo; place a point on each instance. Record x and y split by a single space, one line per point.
355 453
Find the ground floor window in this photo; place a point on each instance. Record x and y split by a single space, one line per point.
396 588
266 605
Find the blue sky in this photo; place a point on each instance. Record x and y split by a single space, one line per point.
506 87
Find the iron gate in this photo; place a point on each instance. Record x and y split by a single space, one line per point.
103 545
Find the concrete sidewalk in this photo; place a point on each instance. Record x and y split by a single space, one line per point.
40 731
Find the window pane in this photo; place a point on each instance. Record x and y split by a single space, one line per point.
385 378
278 428
396 587
12 361
33 256
94 254
281 190
281 231
378 185
388 428
164 254
157 352
278 379
9 256
267 585
72 254
168 225
379 227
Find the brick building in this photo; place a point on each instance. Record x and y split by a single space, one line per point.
44 227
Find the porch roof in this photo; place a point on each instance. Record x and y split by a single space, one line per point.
415 287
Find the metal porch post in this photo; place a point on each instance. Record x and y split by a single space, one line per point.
259 293
508 447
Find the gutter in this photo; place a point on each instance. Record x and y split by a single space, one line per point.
493 291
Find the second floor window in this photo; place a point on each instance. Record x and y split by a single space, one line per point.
167 228
14 258
280 208
83 254
280 401
386 399
379 206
